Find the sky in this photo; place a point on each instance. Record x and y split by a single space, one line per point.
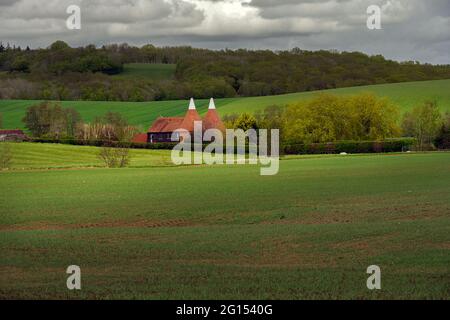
410 29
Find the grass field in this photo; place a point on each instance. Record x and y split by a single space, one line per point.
142 114
148 71
56 156
225 232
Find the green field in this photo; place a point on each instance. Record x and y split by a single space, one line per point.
225 232
147 71
57 156
142 114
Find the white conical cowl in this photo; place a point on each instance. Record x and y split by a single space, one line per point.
192 104
212 105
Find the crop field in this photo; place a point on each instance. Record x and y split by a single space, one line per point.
57 156
148 71
225 232
142 114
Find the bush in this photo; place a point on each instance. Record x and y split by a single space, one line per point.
391 145
105 143
115 157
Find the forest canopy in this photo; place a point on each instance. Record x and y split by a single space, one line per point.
60 72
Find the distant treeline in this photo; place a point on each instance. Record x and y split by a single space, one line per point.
64 73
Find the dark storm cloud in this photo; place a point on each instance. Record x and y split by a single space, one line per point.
4 3
412 29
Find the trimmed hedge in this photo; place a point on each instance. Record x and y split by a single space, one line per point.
391 145
103 143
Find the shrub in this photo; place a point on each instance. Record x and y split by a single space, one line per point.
115 157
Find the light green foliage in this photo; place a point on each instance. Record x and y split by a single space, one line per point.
328 118
374 118
423 123
245 122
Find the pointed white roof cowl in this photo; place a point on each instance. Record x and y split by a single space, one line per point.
212 105
191 104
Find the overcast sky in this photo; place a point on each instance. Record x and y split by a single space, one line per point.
411 29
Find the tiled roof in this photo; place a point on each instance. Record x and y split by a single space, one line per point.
188 121
171 124
212 121
140 138
166 125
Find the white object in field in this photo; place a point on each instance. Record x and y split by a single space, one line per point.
343 153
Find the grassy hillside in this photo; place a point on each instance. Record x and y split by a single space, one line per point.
225 232
406 95
147 71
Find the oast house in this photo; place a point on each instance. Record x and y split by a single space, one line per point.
162 129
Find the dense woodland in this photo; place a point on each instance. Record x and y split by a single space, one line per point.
60 72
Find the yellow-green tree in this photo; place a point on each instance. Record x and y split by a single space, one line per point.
423 123
374 118
245 122
328 118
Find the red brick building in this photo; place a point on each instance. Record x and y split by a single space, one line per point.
163 127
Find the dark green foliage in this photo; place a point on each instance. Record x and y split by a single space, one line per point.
256 73
65 73
20 64
60 59
442 140
58 45
394 145
391 145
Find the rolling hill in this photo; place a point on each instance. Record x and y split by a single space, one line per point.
142 114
